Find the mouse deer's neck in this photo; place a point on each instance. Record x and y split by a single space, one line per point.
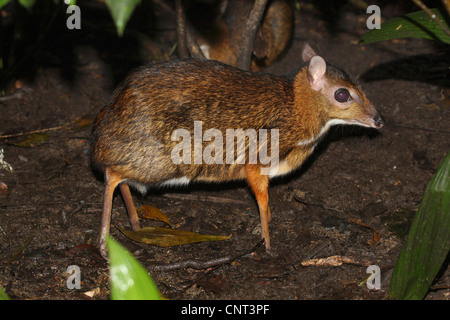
310 108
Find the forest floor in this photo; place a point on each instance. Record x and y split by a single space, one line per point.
50 212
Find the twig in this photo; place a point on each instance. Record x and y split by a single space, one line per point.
16 95
31 132
192 263
203 198
446 4
421 5
192 44
202 264
333 261
187 45
316 205
181 30
248 37
440 287
376 236
47 129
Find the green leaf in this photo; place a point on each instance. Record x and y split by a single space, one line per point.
3 295
129 279
3 3
428 241
27 3
413 25
121 11
165 237
33 140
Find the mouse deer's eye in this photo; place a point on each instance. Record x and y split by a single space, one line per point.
342 95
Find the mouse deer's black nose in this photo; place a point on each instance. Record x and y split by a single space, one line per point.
378 120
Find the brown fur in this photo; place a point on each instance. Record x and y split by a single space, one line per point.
131 137
158 99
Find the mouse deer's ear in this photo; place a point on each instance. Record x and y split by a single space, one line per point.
309 51
317 69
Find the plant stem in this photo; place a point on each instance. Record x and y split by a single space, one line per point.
248 37
181 30
446 3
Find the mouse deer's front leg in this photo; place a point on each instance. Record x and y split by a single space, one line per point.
260 186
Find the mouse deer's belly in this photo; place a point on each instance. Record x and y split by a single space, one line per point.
292 161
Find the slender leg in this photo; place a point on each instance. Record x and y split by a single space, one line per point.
129 204
111 182
260 187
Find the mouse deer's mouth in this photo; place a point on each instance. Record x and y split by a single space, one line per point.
374 120
378 121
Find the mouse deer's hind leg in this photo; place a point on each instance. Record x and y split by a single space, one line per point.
111 182
260 186
129 204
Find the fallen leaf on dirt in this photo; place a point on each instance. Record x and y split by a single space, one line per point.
399 221
19 251
153 213
376 236
363 281
33 140
84 122
3 188
165 237
92 293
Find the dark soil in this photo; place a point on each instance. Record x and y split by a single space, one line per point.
356 174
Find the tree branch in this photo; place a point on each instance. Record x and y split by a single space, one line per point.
181 30
422 6
248 37
446 4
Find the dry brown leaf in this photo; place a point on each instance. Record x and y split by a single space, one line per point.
3 188
165 237
33 140
153 213
84 122
376 236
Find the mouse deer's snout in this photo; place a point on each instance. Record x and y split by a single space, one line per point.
378 121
